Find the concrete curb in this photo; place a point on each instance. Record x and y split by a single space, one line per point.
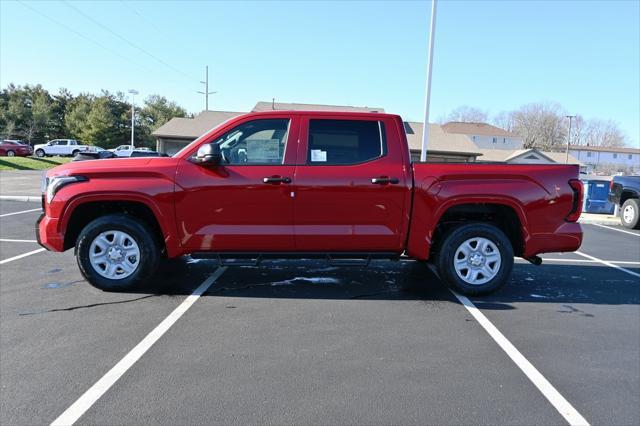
602 221
24 198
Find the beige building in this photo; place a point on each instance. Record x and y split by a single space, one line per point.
485 136
526 156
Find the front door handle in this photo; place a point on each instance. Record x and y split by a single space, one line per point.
276 179
384 180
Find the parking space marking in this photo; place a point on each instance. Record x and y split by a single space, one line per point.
606 262
621 262
86 401
566 410
10 240
20 256
616 229
23 211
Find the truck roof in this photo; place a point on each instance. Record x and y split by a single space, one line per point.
375 115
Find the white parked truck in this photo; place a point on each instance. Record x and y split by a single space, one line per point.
62 147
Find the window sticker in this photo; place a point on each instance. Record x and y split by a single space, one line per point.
318 155
263 150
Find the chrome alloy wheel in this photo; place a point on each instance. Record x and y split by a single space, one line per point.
477 261
629 213
114 254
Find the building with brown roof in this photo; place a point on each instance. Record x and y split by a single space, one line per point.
485 136
607 160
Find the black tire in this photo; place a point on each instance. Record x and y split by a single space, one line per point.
74 152
11 153
40 153
454 238
150 251
632 219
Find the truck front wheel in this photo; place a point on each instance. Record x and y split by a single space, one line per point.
476 258
117 252
40 153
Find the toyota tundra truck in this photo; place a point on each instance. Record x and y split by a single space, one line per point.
293 184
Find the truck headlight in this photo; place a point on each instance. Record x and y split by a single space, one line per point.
56 183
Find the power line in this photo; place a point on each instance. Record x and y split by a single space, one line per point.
79 34
104 27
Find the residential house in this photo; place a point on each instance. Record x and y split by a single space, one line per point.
485 136
607 160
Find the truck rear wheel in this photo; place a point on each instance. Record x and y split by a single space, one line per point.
474 259
630 213
117 252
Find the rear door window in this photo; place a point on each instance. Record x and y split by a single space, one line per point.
344 142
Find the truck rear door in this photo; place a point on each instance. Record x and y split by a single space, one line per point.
352 185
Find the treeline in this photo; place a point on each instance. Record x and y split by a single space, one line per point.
32 114
546 126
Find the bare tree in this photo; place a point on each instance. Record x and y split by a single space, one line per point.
465 114
605 133
541 125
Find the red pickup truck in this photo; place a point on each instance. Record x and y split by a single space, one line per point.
284 184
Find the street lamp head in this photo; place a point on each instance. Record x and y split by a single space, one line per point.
133 91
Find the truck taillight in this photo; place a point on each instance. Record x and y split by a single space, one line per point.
578 194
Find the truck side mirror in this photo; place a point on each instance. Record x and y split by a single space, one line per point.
209 153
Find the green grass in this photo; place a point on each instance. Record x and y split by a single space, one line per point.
31 163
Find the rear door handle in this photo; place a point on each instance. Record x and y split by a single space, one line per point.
276 179
384 180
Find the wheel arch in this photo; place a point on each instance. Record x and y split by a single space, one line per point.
83 210
505 214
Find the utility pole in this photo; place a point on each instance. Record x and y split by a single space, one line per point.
570 117
133 114
427 98
206 92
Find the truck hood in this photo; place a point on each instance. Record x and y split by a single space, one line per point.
111 166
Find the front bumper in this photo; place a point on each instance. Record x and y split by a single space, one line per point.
47 233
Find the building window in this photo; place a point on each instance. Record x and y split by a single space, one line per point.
494 140
474 138
504 140
615 155
588 154
630 157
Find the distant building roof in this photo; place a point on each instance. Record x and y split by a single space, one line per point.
619 149
192 128
506 155
439 140
280 106
480 129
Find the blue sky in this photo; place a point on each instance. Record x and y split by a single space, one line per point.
494 55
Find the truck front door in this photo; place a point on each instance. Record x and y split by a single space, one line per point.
245 203
352 185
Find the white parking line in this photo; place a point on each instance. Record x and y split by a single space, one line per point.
620 262
23 211
10 240
616 229
20 256
563 406
610 264
78 408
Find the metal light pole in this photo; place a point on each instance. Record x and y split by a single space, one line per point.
427 98
133 115
206 92
570 117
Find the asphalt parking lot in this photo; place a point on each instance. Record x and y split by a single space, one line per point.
308 343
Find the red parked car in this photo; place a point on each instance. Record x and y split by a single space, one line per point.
283 184
11 148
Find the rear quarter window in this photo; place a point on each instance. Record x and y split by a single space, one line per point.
344 142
